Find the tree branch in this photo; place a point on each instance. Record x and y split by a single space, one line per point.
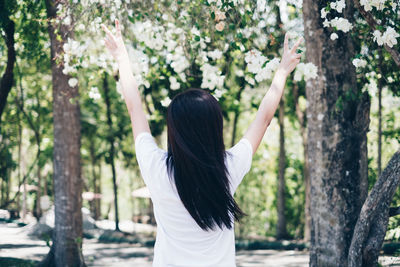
373 217
373 24
394 211
7 79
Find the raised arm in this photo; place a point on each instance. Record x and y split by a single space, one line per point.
115 45
272 98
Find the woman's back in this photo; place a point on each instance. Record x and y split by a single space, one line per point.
180 240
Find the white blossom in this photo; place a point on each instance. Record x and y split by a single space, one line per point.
341 24
255 60
174 84
94 93
306 70
216 54
369 4
359 63
212 77
166 101
266 72
67 20
218 93
334 36
72 82
389 37
323 13
338 5
378 37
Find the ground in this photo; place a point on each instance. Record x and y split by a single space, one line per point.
16 244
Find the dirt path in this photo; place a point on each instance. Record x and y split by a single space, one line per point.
15 243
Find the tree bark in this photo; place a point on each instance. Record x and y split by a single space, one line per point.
371 226
96 209
38 211
337 120
303 131
7 80
380 87
281 231
66 249
111 140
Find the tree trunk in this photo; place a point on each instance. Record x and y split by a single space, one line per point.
66 249
380 87
38 212
281 231
306 174
303 131
7 80
337 120
19 174
96 180
112 148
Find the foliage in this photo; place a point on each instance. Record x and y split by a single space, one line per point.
229 48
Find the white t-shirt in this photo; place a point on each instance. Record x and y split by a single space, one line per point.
180 241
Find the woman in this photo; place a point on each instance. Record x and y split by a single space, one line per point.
192 185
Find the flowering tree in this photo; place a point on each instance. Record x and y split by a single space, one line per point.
339 39
229 48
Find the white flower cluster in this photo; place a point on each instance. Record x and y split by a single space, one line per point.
166 101
214 55
334 36
254 60
338 5
341 24
174 84
306 70
72 82
94 93
139 61
212 77
389 37
218 93
149 34
368 4
359 63
266 72
178 61
165 41
256 63
72 49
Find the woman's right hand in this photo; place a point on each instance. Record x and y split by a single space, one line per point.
290 57
114 42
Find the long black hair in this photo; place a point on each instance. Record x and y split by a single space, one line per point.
196 159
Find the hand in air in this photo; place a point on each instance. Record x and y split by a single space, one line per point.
114 42
290 57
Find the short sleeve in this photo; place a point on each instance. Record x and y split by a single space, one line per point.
150 158
239 161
